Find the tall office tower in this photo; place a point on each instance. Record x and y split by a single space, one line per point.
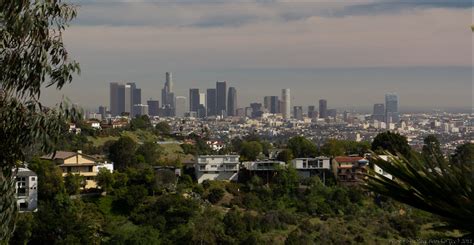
153 107
323 108
137 96
379 112
103 111
180 106
298 112
211 102
312 111
232 102
167 94
194 99
128 99
256 109
114 99
274 104
267 103
286 107
202 99
391 108
221 96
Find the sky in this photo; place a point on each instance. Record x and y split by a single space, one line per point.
348 52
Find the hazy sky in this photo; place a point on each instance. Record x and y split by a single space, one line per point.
348 52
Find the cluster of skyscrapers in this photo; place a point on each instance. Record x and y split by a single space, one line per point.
222 101
387 112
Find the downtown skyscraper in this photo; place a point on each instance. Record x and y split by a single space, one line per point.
123 98
232 102
167 96
379 112
392 114
221 98
285 103
323 108
211 98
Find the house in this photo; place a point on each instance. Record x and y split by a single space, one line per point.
265 169
309 167
215 145
26 190
79 163
216 167
350 170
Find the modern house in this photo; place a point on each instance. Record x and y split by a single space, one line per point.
379 170
349 170
309 167
79 163
265 169
216 167
26 190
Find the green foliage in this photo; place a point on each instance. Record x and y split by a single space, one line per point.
122 152
163 128
431 151
464 155
391 142
150 151
302 147
250 150
215 195
140 122
425 186
50 174
105 179
73 183
285 155
334 148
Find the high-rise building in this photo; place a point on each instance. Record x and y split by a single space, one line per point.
323 108
153 107
202 99
211 102
298 112
267 103
286 106
117 99
167 94
256 109
232 102
379 112
221 96
274 104
137 96
180 106
139 110
391 108
194 100
312 111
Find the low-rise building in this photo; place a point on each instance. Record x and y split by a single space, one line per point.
308 167
265 169
350 170
79 163
26 190
216 167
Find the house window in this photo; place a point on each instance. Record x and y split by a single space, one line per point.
33 178
23 205
21 186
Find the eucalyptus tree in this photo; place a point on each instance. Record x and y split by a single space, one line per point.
32 56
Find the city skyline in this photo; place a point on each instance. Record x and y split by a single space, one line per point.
346 51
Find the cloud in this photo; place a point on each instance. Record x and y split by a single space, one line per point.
394 6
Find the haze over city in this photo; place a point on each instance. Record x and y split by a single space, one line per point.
350 53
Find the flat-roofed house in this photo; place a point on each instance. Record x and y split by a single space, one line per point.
309 167
265 169
26 190
217 167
